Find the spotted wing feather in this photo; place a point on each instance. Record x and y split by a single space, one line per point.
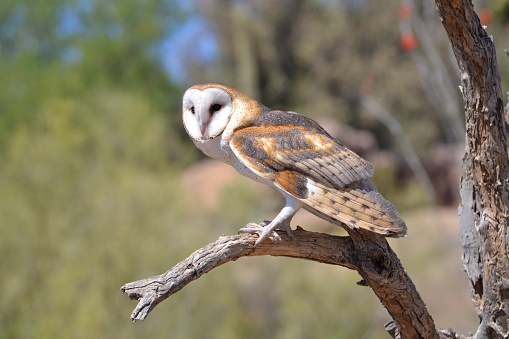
284 140
358 205
331 180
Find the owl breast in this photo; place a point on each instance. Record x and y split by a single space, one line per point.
212 148
215 149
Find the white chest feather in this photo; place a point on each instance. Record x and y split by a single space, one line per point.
214 148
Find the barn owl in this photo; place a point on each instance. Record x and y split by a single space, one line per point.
293 155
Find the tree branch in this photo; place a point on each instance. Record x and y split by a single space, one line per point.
307 245
367 253
484 192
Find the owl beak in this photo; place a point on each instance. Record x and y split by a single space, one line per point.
203 127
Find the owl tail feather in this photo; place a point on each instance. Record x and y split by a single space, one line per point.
359 205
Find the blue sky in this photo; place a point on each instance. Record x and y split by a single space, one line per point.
194 30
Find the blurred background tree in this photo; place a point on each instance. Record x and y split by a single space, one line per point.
95 161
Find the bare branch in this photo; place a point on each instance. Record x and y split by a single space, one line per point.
367 253
319 247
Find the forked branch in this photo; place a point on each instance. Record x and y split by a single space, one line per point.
367 253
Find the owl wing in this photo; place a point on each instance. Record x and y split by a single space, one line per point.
301 158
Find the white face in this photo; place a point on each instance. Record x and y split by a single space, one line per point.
206 113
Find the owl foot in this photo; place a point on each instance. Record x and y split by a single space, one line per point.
267 229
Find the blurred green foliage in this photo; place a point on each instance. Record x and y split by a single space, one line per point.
79 199
76 48
90 146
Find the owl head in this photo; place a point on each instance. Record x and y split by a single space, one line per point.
206 110
209 109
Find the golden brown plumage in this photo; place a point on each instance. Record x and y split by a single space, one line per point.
292 154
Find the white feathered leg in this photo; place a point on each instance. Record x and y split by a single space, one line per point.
280 222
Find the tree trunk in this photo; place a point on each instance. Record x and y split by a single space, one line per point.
484 183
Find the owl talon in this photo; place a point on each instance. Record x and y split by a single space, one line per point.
261 230
267 229
252 228
289 232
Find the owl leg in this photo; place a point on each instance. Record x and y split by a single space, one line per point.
280 222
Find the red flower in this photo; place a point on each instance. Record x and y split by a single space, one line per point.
408 42
485 16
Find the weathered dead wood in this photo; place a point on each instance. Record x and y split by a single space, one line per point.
307 245
484 209
367 253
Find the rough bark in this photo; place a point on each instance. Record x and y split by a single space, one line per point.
367 253
484 183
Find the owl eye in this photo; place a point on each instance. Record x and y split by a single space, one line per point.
215 108
192 109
